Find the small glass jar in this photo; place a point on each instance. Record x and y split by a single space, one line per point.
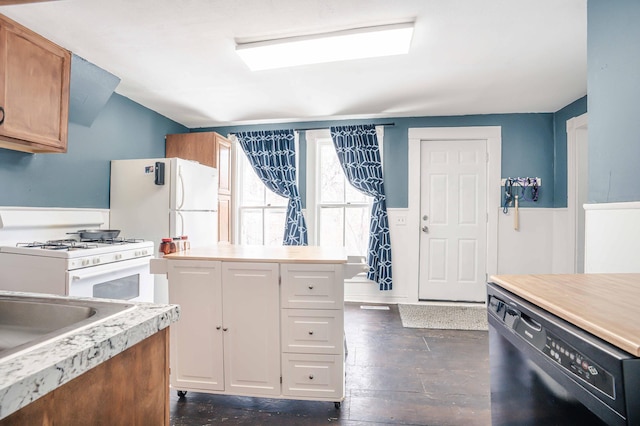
186 245
165 246
178 243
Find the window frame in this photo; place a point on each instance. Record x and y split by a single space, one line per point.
241 162
314 139
311 211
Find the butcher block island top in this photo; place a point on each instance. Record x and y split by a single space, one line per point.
605 305
248 253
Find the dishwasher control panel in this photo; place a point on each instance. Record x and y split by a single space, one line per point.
579 365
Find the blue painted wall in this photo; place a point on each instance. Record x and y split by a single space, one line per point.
527 147
532 145
80 178
613 82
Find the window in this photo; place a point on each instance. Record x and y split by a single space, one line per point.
261 212
336 213
342 212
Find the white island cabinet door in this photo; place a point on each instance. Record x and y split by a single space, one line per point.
251 311
196 339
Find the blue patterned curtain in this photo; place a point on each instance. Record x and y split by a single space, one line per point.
273 157
359 155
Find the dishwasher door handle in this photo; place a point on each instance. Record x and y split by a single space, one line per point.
530 322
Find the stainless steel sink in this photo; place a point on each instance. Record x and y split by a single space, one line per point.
27 321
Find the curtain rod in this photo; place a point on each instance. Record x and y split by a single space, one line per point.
322 128
327 127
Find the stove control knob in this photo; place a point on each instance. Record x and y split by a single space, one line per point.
96 260
85 262
118 256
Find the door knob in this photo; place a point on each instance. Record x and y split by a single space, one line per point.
425 217
425 229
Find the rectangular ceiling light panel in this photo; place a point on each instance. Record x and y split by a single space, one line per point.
369 42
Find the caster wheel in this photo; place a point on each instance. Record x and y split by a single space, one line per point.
182 394
337 405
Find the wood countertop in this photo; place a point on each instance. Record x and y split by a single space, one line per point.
247 253
605 305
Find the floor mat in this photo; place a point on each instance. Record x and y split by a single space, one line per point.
443 317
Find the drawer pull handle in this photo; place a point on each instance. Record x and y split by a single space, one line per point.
310 376
225 329
218 328
310 286
311 333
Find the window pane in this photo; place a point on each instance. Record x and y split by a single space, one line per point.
252 193
274 221
331 227
274 199
357 229
331 177
352 195
251 229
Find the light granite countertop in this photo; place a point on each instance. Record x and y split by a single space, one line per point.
27 375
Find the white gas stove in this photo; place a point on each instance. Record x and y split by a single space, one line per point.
85 253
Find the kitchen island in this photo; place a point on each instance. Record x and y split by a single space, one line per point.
258 321
113 371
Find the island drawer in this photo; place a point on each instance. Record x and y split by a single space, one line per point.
312 331
312 286
316 376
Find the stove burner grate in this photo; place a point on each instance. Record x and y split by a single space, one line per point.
68 244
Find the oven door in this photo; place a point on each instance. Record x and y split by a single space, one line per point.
127 280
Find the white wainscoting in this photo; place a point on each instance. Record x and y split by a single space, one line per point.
404 258
612 237
540 246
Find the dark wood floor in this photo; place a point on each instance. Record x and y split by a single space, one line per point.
394 375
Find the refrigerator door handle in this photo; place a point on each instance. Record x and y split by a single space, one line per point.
181 179
181 224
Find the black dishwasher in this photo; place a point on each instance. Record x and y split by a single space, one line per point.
546 371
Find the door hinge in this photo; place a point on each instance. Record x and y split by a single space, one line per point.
487 157
280 379
279 280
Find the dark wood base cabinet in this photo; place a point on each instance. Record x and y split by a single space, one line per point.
131 388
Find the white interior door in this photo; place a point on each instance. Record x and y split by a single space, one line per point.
453 220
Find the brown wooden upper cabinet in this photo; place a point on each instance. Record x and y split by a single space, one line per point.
214 150
34 90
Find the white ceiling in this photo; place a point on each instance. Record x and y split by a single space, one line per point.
467 56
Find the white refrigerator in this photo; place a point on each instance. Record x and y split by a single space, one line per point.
160 198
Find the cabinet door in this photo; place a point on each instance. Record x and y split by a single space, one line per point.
223 147
196 339
252 328
224 219
34 90
199 146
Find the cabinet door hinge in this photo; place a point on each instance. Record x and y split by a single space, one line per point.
279 280
280 379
